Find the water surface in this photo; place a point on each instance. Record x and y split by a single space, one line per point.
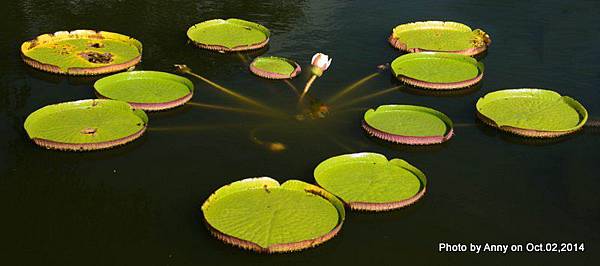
139 204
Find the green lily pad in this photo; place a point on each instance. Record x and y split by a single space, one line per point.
532 112
264 216
229 35
440 36
437 70
85 125
274 67
368 181
408 124
82 52
146 90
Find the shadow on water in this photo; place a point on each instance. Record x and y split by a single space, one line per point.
57 79
406 147
436 93
516 139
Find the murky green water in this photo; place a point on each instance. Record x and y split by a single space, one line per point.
139 204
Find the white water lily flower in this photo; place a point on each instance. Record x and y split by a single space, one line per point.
320 63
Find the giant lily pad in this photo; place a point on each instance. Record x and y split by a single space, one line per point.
229 35
532 112
368 181
146 90
273 67
439 36
85 125
82 52
408 124
437 70
261 215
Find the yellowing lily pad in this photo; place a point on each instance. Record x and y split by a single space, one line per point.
273 67
439 36
261 215
368 181
82 52
146 90
229 35
438 70
408 124
532 112
85 125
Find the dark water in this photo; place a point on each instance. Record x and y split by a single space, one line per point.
139 204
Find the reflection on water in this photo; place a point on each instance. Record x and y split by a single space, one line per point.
139 204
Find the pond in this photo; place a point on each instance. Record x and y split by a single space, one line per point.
140 203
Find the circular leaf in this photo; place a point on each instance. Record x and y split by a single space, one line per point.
264 216
532 112
441 36
408 124
368 181
229 35
146 90
273 67
437 70
82 52
85 125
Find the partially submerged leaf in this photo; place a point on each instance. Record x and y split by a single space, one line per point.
82 52
274 67
368 181
85 125
532 112
264 216
229 35
437 70
408 124
442 36
146 90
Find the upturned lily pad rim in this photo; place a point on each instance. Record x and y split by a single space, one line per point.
272 75
148 74
375 157
270 183
401 45
65 146
221 48
410 140
508 93
91 34
438 85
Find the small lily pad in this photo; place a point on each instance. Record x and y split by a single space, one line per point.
85 125
532 112
82 52
261 215
229 35
273 67
146 90
439 36
368 181
438 70
408 124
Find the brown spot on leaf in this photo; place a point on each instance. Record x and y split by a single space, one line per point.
96 45
96 57
89 131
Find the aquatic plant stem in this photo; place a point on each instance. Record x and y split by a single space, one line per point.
242 57
351 87
272 146
230 109
292 86
307 87
192 128
367 97
187 70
